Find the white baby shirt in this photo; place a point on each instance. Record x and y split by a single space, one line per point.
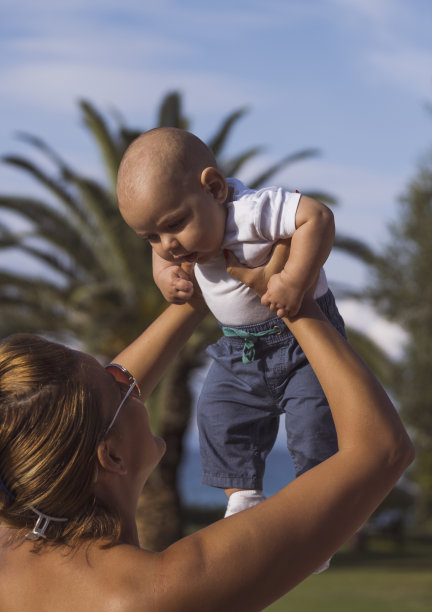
255 221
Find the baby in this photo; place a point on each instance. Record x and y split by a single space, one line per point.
171 193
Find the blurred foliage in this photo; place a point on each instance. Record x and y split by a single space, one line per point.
402 292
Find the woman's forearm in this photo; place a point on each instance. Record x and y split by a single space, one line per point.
149 356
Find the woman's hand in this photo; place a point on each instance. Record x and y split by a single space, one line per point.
258 278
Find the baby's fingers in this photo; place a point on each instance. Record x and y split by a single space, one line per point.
182 284
182 296
282 312
183 291
285 311
265 301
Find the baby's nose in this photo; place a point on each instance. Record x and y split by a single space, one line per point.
169 242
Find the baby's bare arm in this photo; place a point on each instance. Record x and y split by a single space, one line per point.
311 244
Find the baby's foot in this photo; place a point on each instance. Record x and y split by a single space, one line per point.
240 500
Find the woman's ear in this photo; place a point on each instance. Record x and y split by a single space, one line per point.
213 181
109 458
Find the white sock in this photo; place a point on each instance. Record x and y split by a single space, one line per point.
240 500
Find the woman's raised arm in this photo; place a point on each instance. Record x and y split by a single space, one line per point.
148 357
252 558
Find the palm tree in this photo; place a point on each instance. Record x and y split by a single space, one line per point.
95 285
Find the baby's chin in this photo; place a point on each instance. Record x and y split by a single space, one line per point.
206 257
191 258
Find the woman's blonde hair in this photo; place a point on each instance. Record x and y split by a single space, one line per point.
51 424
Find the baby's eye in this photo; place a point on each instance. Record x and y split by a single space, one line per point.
151 237
175 224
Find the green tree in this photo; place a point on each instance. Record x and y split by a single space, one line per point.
402 291
95 285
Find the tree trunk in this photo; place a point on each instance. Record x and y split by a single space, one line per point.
159 508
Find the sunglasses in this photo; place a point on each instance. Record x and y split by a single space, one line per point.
127 383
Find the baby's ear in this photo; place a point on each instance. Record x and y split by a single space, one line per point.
213 181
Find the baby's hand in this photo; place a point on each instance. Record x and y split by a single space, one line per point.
283 295
175 284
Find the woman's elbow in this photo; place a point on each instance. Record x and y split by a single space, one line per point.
409 451
401 453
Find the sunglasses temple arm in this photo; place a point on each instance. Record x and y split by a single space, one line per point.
129 391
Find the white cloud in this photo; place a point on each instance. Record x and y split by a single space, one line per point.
375 10
130 48
366 196
409 68
47 16
56 84
391 40
389 336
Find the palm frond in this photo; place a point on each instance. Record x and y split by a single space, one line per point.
232 166
53 263
170 112
265 176
53 227
355 248
42 146
54 186
128 135
110 148
39 213
99 226
218 141
27 286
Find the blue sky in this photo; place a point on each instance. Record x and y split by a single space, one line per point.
349 77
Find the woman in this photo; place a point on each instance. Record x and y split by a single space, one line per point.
76 450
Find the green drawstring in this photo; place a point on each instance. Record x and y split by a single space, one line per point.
250 339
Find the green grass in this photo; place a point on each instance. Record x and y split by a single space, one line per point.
385 578
388 576
361 590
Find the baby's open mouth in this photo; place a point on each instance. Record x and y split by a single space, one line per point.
191 258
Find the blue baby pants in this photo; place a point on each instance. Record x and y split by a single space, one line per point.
240 405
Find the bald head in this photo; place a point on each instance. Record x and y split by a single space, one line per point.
168 157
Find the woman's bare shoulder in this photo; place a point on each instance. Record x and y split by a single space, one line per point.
89 577
126 575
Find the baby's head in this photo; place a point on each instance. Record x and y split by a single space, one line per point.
171 192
